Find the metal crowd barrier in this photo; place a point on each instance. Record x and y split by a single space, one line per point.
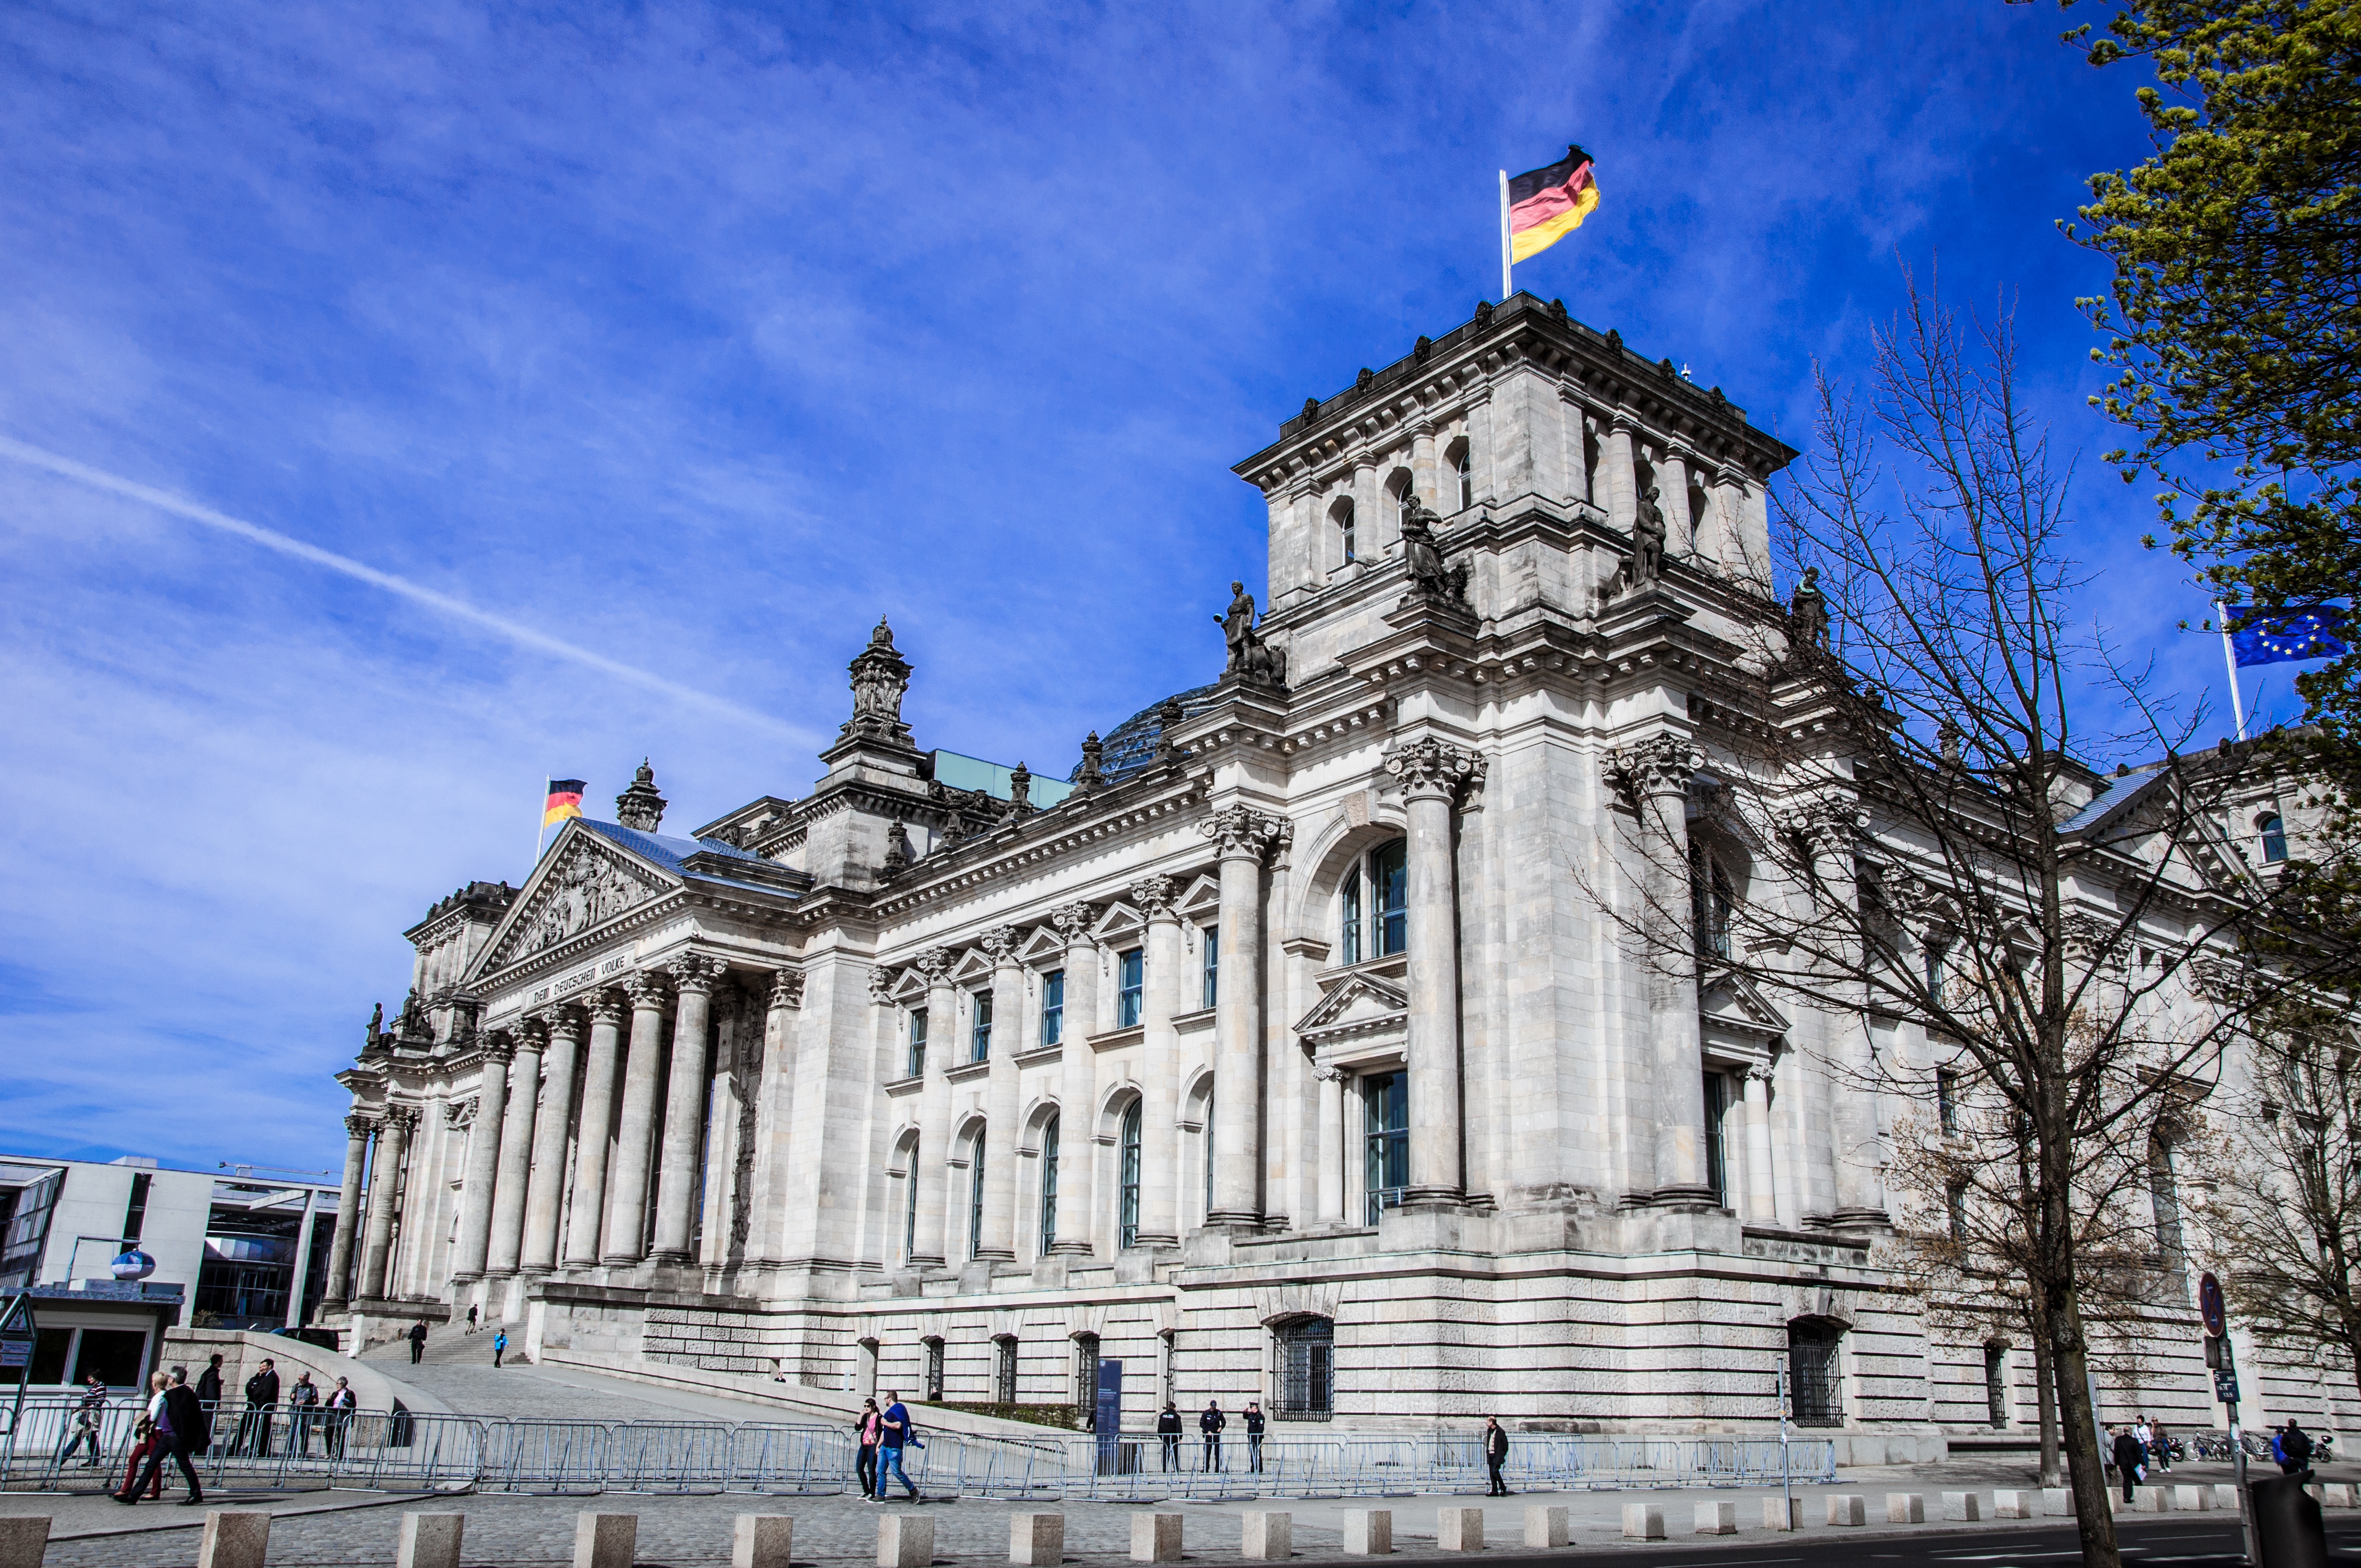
409 1451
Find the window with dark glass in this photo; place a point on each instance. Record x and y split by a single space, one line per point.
1946 1099
1126 1217
1053 1007
1467 481
1713 898
1087 1372
1131 972
910 1205
1003 1369
1812 1373
1389 884
1049 1185
1212 968
1934 955
1307 1370
1348 918
135 1213
980 1031
1955 1211
1208 1155
2274 838
1716 1121
934 1371
1996 1384
975 1196
1343 516
917 1042
1385 1099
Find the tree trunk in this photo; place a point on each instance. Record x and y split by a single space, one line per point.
2046 1398
2095 1519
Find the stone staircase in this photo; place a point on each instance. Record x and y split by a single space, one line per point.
453 1345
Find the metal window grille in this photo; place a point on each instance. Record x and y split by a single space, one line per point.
934 1372
1996 1384
1003 1369
1307 1369
1812 1363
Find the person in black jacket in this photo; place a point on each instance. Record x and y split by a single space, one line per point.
1211 1421
2295 1449
261 1395
1167 1432
2129 1456
181 1429
417 1337
209 1388
1496 1454
1253 1436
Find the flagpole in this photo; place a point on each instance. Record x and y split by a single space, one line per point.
1504 237
2230 657
542 832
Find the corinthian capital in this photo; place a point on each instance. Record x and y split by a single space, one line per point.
646 989
696 972
882 981
500 1046
1154 896
532 1031
1829 825
401 1120
1432 767
567 1023
933 965
1072 920
787 988
361 1126
1241 831
999 944
1661 765
606 1007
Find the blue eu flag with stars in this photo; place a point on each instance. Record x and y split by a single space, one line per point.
2308 631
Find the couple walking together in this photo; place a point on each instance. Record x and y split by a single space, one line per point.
881 1436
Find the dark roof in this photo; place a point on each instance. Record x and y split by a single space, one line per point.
2121 790
1131 745
673 855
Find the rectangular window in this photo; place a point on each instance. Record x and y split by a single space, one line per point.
1946 1099
1348 918
980 1043
934 1376
910 1211
1131 973
1048 1187
1307 1370
1126 1202
1996 1384
1716 1150
975 1197
1213 967
1385 1099
917 1042
1955 1211
135 1215
1390 881
1053 1007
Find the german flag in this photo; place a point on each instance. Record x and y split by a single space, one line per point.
565 800
1547 205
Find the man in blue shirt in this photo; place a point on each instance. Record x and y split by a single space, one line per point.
894 1430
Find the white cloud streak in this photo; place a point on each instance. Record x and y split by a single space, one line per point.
457 609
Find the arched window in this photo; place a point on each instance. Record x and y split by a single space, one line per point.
932 1376
1209 1154
1003 1369
1996 1384
975 1196
1307 1370
1049 1185
1713 900
1373 904
1464 469
2164 1195
910 1202
1086 1374
1385 1101
1813 1387
1127 1217
1341 515
2274 830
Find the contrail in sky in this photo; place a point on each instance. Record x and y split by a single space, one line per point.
270 539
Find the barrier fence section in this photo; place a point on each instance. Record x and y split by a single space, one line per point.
409 1451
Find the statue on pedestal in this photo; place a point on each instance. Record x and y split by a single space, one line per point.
1646 565
1251 658
1422 558
1808 612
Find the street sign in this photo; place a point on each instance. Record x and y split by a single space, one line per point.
1107 1417
2212 1353
2209 1305
2226 1386
15 1352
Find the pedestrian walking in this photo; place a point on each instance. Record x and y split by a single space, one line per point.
184 1429
1254 1438
2293 1447
341 1404
2160 1447
1496 1454
143 1431
208 1395
89 1412
894 1431
1210 1422
865 1437
499 1346
2129 1456
302 1408
261 1398
1167 1432
417 1340
471 1320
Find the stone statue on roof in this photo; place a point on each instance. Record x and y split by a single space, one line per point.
1251 658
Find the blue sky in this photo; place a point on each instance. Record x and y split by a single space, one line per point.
692 338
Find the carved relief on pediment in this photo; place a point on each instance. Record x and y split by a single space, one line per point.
592 886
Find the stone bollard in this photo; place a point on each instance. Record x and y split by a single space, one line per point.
905 1540
2188 1499
1962 1505
1717 1518
604 1540
1546 1527
1642 1521
1850 1507
1906 1507
1266 1537
2058 1502
2012 1505
1156 1537
1782 1513
762 1541
2225 1495
2337 1495
235 1537
1368 1533
24 1540
430 1540
1034 1541
1459 1529
2156 1499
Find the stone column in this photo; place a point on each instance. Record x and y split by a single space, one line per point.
358 1129
1658 771
1830 827
507 1249
1622 475
551 1127
1680 528
684 1096
775 1106
1243 835
933 966
589 1208
385 1182
482 1170
1430 774
627 1185
1332 1145
998 1240
1159 1049
1077 1084
1761 1203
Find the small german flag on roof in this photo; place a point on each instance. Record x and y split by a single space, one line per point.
1547 205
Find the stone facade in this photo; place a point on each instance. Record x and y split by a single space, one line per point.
1296 1054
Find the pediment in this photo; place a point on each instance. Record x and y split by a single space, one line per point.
973 965
1732 1001
1120 920
1041 945
584 882
1359 1004
1203 898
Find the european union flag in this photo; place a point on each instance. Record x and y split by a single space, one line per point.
2311 631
